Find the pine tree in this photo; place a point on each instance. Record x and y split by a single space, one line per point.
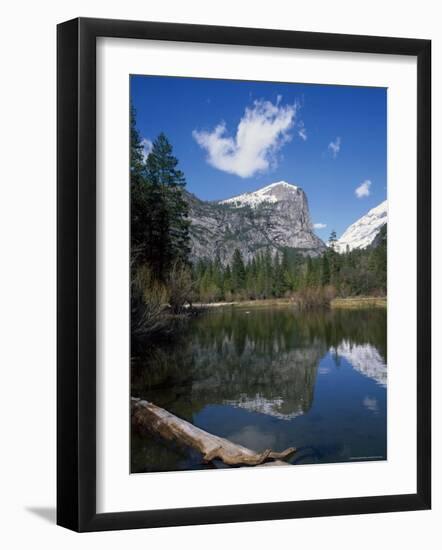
261 276
285 268
136 149
268 274
137 192
325 271
332 240
309 273
252 279
334 259
381 260
238 271
167 226
227 282
217 277
278 277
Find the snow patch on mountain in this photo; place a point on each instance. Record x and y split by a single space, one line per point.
270 194
363 232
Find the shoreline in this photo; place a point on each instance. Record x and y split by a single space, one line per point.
359 302
336 303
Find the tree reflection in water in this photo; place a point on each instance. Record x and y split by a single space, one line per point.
266 362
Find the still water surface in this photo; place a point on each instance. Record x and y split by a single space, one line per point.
271 377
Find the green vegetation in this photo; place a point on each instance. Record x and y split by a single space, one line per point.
309 282
160 244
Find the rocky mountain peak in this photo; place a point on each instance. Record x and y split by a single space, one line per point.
278 191
273 217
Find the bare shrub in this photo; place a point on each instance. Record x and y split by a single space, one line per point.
329 292
149 303
314 297
180 287
209 293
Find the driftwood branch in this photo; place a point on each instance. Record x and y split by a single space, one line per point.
147 416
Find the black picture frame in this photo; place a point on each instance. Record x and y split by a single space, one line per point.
77 287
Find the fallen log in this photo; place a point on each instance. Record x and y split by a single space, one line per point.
150 417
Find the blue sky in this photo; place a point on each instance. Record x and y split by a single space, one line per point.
235 136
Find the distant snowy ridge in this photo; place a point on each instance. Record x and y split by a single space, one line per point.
363 232
270 193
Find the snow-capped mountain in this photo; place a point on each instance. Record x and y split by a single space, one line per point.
363 232
273 217
272 193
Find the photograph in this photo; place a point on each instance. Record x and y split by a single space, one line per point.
258 273
224 252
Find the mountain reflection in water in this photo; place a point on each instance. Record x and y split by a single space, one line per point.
271 377
364 358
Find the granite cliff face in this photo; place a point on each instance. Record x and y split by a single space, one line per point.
274 217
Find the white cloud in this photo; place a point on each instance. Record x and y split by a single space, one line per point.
319 225
261 132
147 147
302 132
363 190
334 147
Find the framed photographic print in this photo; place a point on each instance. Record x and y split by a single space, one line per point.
243 274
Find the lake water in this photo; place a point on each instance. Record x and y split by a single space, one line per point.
271 378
